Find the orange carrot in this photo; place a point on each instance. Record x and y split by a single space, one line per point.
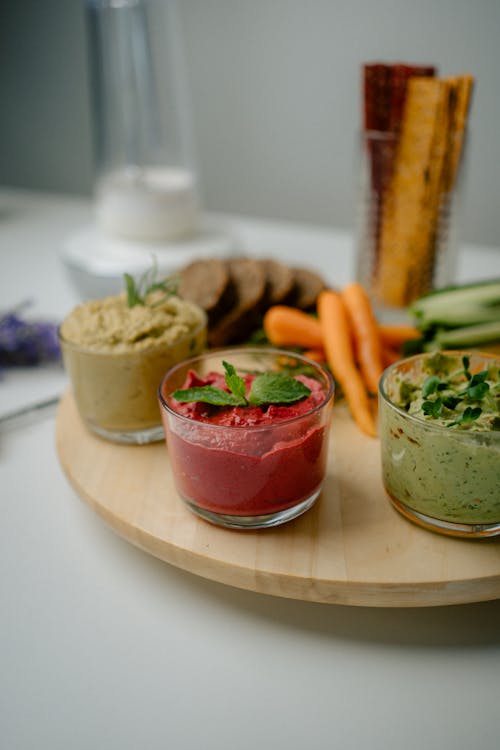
288 326
317 355
389 356
394 335
340 356
365 332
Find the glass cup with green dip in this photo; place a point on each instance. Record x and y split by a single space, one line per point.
440 441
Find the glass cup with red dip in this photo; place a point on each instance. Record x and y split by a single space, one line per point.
247 433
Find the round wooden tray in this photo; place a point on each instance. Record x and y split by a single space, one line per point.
351 548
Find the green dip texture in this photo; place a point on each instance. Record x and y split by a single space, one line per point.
440 436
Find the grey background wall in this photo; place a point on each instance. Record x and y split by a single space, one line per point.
275 90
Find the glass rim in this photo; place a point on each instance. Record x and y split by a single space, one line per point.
419 421
249 350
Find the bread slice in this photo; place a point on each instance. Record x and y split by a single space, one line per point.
279 282
249 282
207 283
307 286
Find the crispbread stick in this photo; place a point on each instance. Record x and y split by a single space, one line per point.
462 89
406 195
440 202
424 245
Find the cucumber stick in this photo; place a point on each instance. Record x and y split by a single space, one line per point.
459 306
468 335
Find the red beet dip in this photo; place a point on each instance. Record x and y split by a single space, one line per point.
247 461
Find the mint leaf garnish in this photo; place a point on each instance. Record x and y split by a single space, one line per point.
208 394
268 388
233 381
276 388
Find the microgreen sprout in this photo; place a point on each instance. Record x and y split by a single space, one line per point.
441 396
470 414
477 388
433 384
433 408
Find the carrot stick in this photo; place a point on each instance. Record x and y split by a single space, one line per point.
317 355
288 326
340 356
389 356
395 335
366 334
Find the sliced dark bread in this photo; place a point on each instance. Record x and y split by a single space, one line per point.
208 284
307 286
249 282
279 282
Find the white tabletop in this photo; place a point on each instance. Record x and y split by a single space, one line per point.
103 646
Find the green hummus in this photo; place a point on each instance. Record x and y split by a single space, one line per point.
440 436
116 356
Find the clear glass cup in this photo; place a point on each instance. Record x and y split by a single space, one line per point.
256 475
115 390
408 221
444 479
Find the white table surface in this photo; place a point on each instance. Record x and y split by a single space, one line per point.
103 646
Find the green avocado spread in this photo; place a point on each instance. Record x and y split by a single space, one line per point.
447 393
440 437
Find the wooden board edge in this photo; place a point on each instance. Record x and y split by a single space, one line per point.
284 585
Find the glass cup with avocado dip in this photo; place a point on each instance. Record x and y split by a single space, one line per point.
440 441
116 353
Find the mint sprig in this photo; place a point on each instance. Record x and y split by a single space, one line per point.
276 388
268 388
233 381
208 394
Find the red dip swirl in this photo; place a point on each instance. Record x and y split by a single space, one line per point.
251 460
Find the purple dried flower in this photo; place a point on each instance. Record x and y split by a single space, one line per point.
27 343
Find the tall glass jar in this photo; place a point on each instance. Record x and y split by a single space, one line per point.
408 221
146 180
